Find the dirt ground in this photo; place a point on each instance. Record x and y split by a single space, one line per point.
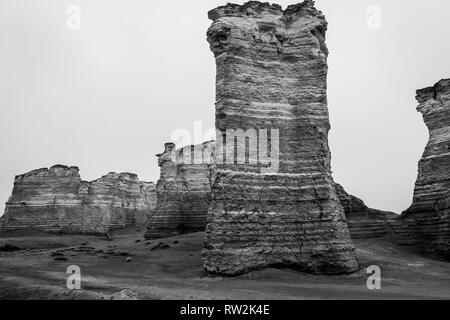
128 266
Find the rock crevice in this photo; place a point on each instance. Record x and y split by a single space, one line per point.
364 222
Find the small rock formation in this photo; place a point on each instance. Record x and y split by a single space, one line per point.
363 222
426 224
271 75
183 190
6 247
56 200
126 294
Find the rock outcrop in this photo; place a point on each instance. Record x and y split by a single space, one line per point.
271 94
364 222
56 200
426 224
183 190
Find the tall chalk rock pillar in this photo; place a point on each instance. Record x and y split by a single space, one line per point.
183 190
426 224
271 75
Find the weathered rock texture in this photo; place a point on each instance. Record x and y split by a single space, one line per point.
364 222
56 200
183 190
426 224
271 74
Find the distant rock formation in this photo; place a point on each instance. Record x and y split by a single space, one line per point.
364 222
426 224
183 190
56 200
271 76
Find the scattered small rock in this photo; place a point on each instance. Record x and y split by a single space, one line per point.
61 259
6 247
160 246
124 295
85 250
57 254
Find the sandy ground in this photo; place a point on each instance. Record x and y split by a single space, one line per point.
151 270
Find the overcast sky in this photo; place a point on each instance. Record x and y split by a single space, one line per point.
107 96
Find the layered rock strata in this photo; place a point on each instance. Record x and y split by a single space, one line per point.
56 200
364 222
271 94
426 224
183 190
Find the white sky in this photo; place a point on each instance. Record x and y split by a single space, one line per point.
106 97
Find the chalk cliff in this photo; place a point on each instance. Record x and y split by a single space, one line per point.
56 200
426 224
271 84
364 222
183 190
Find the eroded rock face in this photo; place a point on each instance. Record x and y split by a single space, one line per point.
426 224
56 200
271 74
364 222
183 190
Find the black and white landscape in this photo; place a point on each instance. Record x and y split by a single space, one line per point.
297 175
